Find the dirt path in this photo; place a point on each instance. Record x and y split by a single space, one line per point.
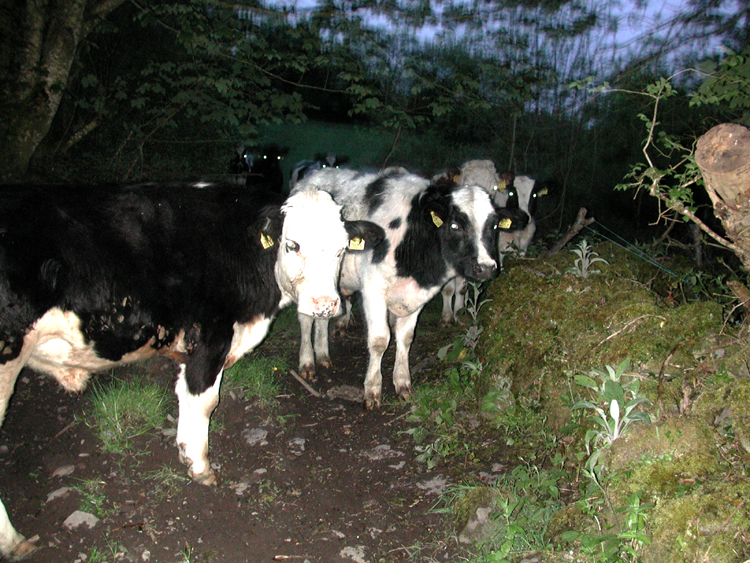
315 479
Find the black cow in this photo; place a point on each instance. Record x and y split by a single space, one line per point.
96 276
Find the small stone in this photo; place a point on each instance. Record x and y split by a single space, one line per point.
80 518
64 471
59 493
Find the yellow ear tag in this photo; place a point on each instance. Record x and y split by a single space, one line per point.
435 219
502 185
543 191
266 241
504 223
357 244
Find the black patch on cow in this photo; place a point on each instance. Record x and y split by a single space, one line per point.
380 251
374 194
395 224
139 262
419 254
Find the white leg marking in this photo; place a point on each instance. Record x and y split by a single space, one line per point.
322 355
306 355
192 427
378 338
12 544
404 332
448 314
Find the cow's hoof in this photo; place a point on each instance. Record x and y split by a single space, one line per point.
208 478
373 403
22 550
307 372
325 363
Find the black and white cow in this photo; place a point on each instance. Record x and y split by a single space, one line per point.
96 276
321 161
480 173
434 231
523 194
239 166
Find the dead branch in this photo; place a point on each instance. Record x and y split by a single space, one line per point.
575 228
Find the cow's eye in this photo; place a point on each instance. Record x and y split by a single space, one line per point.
454 226
494 188
292 246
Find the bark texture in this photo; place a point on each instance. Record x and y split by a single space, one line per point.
39 40
723 156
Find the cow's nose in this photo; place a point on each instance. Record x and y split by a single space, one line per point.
485 271
325 306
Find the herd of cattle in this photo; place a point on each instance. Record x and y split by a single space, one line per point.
93 276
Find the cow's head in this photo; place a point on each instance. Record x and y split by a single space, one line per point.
467 224
522 193
311 246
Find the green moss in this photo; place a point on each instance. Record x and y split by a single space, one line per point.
725 405
708 524
544 326
682 447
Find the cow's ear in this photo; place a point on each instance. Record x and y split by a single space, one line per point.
436 213
506 180
545 187
434 204
512 219
363 235
268 228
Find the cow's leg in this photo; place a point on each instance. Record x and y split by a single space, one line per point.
12 544
192 427
378 338
448 316
462 287
322 356
404 332
342 322
306 355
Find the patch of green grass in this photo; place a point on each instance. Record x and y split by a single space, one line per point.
521 504
93 499
124 410
167 481
257 378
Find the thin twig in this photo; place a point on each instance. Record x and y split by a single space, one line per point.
304 383
611 336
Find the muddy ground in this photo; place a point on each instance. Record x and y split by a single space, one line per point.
313 479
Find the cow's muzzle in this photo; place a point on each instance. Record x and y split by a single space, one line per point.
325 306
483 272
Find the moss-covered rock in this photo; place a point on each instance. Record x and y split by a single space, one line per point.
690 468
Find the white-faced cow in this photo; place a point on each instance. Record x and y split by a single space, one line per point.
433 233
481 173
96 276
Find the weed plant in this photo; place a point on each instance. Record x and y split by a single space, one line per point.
93 497
586 258
124 410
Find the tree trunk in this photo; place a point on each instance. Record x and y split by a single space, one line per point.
38 43
723 156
